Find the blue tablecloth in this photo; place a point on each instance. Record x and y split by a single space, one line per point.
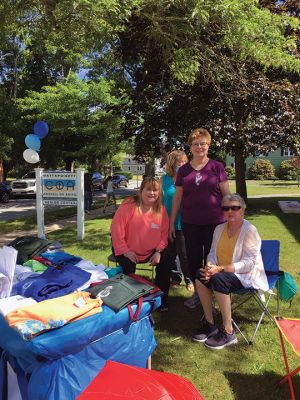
59 364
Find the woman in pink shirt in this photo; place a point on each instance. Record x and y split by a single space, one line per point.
139 232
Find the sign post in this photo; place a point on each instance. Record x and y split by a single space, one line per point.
80 203
39 204
59 188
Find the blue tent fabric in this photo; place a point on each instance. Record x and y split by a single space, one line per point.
64 361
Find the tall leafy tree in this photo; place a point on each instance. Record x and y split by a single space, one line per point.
199 62
83 126
43 41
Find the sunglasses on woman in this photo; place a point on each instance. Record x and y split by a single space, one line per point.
233 208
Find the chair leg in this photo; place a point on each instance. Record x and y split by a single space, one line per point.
289 375
264 311
241 333
263 306
149 363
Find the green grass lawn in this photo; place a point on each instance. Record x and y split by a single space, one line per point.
260 188
241 371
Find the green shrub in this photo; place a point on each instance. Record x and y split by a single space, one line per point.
230 172
287 171
261 169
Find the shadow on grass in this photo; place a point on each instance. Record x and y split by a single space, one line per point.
246 318
269 206
280 184
94 239
253 387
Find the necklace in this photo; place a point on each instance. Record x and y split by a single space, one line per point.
199 166
145 209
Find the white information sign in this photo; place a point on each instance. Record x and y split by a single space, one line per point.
60 202
62 184
59 188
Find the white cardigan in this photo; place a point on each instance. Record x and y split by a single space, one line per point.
246 257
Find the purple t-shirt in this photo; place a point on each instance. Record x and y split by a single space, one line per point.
201 199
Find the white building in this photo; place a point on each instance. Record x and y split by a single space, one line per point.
136 168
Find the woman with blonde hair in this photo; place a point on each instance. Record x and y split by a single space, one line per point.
175 159
139 233
200 186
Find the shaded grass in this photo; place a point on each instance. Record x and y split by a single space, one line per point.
51 216
238 372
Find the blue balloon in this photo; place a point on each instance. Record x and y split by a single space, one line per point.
41 129
33 142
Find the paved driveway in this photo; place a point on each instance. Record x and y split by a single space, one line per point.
21 207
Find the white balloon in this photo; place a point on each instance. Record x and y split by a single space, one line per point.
31 156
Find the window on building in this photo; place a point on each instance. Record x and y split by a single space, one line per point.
287 152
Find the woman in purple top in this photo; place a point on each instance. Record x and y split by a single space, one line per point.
200 187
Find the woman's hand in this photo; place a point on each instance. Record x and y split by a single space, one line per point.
208 271
132 256
155 259
172 234
212 270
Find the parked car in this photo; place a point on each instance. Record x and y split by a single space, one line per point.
24 186
5 192
97 180
120 180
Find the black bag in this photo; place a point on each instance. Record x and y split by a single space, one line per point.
29 246
119 291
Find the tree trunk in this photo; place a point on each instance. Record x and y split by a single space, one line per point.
69 165
150 168
1 171
240 174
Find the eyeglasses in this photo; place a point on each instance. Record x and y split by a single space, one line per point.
201 144
233 208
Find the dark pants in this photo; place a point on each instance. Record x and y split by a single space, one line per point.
162 271
177 248
223 282
88 200
198 240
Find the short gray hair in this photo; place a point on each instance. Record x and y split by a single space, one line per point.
234 197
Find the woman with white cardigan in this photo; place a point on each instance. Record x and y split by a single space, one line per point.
233 263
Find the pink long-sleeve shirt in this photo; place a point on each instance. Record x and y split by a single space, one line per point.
132 230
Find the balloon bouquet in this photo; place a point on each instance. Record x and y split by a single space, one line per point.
33 142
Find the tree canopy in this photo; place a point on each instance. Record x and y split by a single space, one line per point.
152 69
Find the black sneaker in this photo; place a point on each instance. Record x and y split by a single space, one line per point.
221 340
206 331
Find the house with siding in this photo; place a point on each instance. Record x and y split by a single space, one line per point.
275 157
131 165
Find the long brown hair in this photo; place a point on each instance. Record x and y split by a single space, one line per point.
172 159
154 183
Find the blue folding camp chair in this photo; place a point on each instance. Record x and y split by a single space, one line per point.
270 256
